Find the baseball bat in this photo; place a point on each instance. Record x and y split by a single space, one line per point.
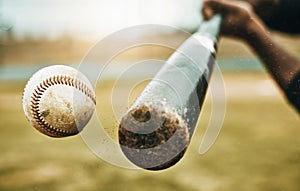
156 130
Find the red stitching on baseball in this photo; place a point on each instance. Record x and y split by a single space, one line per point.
42 87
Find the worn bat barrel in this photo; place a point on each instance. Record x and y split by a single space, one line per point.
156 130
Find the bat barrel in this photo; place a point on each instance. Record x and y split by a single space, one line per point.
155 132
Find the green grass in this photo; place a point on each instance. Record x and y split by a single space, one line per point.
258 149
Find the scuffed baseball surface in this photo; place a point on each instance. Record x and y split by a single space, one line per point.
153 137
58 101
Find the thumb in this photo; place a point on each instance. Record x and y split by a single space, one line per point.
207 13
211 7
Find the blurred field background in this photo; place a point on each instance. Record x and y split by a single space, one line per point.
258 147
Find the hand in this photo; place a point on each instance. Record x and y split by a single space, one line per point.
239 19
265 9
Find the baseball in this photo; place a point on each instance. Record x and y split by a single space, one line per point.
58 101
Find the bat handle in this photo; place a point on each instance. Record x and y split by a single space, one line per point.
208 33
211 28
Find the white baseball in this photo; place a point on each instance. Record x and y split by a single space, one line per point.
58 101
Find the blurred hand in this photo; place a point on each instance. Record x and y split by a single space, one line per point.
239 19
265 9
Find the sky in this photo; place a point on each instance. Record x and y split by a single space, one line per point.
93 19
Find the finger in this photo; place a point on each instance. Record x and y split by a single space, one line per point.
211 7
207 13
